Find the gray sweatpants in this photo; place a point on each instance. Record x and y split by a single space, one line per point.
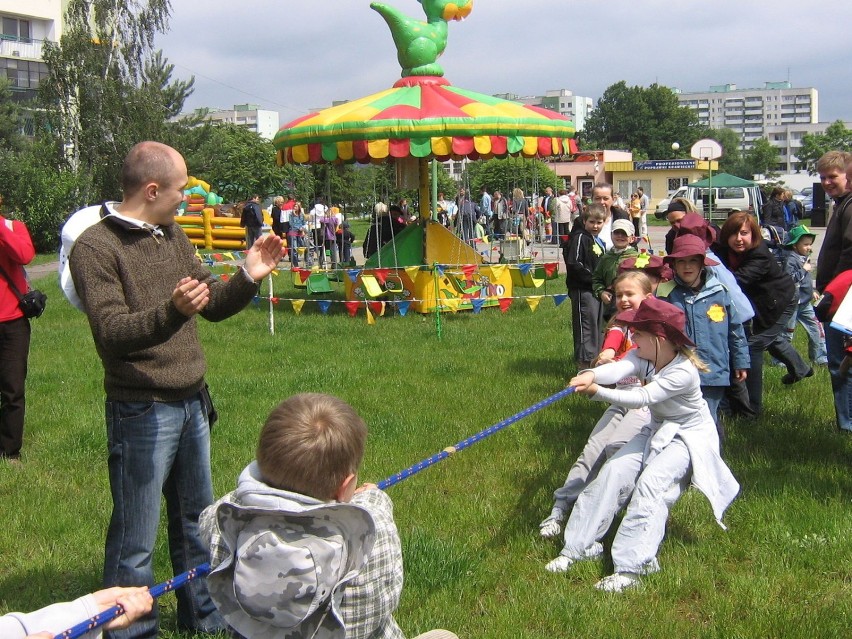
616 427
651 489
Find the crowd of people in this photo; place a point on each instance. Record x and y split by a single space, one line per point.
670 343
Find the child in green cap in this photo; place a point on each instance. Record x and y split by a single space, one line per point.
796 262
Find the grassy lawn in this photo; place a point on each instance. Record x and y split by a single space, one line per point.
473 558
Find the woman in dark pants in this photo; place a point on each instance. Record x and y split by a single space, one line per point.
772 294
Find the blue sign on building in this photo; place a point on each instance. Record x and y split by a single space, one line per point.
656 165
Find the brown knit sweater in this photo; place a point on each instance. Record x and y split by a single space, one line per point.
125 277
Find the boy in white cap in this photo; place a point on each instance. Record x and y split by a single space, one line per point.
607 267
296 550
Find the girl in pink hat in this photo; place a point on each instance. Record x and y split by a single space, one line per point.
678 447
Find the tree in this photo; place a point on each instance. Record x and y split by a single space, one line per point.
761 159
10 118
235 161
645 121
105 90
814 145
532 176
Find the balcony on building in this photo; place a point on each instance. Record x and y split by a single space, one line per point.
26 48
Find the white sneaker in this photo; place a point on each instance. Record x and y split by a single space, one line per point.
617 582
560 564
552 526
563 563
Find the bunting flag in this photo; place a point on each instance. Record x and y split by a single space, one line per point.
297 305
550 268
477 304
403 307
275 300
370 319
412 272
256 300
381 275
439 269
533 302
230 256
353 274
352 308
525 268
469 270
558 299
275 272
505 303
217 257
452 303
324 306
498 270
228 268
224 277
378 307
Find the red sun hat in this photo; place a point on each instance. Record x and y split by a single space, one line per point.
687 246
658 318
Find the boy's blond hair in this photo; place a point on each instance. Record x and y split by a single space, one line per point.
838 160
595 211
310 444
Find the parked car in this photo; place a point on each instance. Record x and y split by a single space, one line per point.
725 200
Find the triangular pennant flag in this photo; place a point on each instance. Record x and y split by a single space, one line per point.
564 238
217 257
352 308
524 268
353 274
558 299
497 270
381 274
323 306
297 305
550 268
227 268
439 269
256 299
452 303
274 300
275 272
403 307
477 304
370 319
533 302
505 303
378 307
468 270
224 277
412 272
230 256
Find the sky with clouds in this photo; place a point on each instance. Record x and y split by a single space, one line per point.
293 56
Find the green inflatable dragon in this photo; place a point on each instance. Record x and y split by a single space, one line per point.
419 44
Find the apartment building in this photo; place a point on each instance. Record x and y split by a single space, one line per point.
788 139
25 27
250 116
751 112
563 101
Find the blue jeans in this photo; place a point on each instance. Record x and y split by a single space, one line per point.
805 316
159 448
841 384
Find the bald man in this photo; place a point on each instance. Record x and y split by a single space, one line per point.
142 288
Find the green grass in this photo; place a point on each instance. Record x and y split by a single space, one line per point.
473 559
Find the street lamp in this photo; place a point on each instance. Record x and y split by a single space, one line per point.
675 146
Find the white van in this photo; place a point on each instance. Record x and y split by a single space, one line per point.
725 200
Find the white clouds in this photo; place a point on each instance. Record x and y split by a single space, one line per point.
291 55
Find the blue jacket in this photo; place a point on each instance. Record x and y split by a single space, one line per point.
712 323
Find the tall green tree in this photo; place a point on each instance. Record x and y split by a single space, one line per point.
643 120
836 138
10 118
106 89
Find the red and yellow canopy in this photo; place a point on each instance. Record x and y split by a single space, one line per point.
424 117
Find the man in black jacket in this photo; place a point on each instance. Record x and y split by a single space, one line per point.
252 220
835 171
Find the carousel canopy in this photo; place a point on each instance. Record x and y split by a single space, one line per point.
424 117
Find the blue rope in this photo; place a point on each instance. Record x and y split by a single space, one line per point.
434 459
180 580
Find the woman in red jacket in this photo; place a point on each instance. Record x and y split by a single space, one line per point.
16 250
